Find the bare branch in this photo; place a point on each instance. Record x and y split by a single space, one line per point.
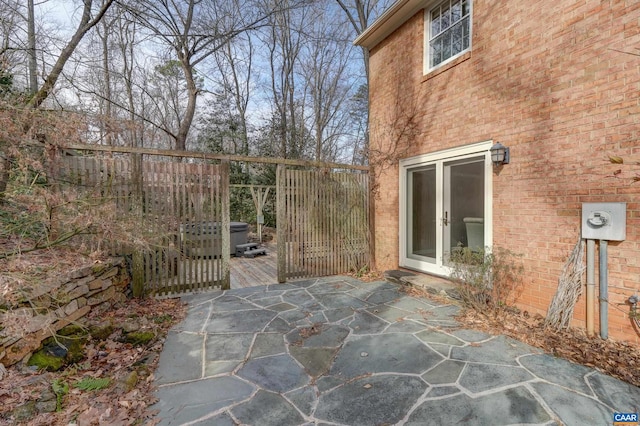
85 24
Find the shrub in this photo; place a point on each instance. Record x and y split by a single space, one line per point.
488 281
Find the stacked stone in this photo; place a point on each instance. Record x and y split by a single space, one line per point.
53 305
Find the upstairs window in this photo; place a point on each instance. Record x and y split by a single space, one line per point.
449 26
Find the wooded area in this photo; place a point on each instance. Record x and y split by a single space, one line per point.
231 79
259 77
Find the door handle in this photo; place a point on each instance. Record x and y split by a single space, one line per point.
445 219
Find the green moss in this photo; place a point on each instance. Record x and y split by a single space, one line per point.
41 311
55 354
138 338
101 332
160 319
131 381
76 350
46 361
25 411
73 330
99 268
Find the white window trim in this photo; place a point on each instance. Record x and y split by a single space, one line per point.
426 60
439 158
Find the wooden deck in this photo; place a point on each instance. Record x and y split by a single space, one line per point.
257 271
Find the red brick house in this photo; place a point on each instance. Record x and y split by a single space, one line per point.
555 81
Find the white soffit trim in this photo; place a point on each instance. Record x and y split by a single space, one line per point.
388 22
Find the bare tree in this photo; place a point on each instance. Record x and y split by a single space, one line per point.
127 40
235 64
194 30
360 14
130 75
104 33
12 47
358 113
327 54
31 37
136 94
284 42
88 20
167 87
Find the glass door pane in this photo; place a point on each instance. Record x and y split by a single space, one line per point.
445 203
422 214
464 204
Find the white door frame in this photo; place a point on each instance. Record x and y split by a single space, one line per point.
438 159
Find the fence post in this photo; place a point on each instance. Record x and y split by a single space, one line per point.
280 223
226 225
137 278
138 178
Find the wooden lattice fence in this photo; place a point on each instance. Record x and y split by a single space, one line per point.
181 206
323 222
183 215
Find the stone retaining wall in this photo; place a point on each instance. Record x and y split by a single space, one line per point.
44 310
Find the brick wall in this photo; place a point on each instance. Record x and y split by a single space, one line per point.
547 79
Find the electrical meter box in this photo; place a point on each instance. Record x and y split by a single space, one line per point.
604 221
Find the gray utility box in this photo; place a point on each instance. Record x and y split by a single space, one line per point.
203 239
604 221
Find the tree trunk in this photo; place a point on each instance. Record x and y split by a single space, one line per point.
192 94
106 69
31 48
86 23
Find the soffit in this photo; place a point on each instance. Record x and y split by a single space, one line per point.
388 22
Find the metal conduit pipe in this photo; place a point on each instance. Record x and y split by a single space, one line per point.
591 285
604 296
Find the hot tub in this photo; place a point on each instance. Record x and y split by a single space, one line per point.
203 239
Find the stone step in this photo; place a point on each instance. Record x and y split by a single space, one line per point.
430 283
255 252
242 248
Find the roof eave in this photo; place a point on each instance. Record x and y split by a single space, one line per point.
388 22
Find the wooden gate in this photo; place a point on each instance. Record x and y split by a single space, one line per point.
183 214
322 222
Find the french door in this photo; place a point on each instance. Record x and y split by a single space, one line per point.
445 204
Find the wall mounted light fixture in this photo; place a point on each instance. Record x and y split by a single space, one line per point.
499 154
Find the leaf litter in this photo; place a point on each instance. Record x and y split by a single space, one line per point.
614 358
116 378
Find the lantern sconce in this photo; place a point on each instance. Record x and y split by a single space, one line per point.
499 154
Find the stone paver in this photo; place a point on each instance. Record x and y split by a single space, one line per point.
506 407
373 400
278 373
280 411
338 351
